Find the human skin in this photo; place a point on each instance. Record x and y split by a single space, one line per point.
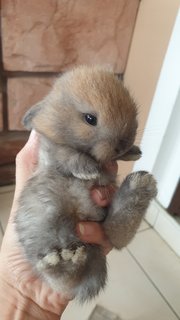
22 294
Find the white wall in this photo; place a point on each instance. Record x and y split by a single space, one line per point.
162 151
153 74
154 25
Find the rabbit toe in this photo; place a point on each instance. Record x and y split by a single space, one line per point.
49 260
77 256
143 180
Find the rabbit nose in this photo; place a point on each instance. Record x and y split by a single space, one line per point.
118 150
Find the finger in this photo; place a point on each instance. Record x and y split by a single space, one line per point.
26 162
92 232
30 150
102 196
27 158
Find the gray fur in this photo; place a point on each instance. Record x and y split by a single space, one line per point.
57 197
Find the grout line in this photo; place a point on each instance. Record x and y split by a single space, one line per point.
166 243
154 285
22 74
8 191
11 190
46 74
163 214
1 229
145 229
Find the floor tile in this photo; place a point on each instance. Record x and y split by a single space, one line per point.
129 293
143 226
5 207
160 263
169 229
1 236
152 212
177 218
5 189
101 313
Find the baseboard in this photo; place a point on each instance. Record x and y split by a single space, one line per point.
165 225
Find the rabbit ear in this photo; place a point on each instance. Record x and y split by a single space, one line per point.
132 154
30 114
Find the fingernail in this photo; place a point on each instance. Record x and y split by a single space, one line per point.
81 228
85 230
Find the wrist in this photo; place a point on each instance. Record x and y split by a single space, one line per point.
13 305
21 292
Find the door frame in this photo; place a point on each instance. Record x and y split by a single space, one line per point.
160 155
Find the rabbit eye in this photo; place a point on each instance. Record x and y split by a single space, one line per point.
92 120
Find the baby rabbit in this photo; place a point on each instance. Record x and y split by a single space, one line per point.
86 120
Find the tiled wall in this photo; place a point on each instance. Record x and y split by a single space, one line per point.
40 39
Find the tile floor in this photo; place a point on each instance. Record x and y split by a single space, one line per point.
144 278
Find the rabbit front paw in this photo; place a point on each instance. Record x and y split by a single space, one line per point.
86 176
87 170
142 181
50 260
128 207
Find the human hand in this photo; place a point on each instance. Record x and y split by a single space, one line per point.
92 232
15 269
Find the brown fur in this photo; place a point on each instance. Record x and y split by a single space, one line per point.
92 90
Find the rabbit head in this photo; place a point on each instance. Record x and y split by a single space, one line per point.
90 110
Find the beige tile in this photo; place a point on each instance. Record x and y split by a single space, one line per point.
7 189
1 236
5 207
143 226
169 229
161 264
79 312
101 313
129 293
152 213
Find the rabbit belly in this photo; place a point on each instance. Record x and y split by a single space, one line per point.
49 209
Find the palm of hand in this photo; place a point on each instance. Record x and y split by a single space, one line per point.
19 274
